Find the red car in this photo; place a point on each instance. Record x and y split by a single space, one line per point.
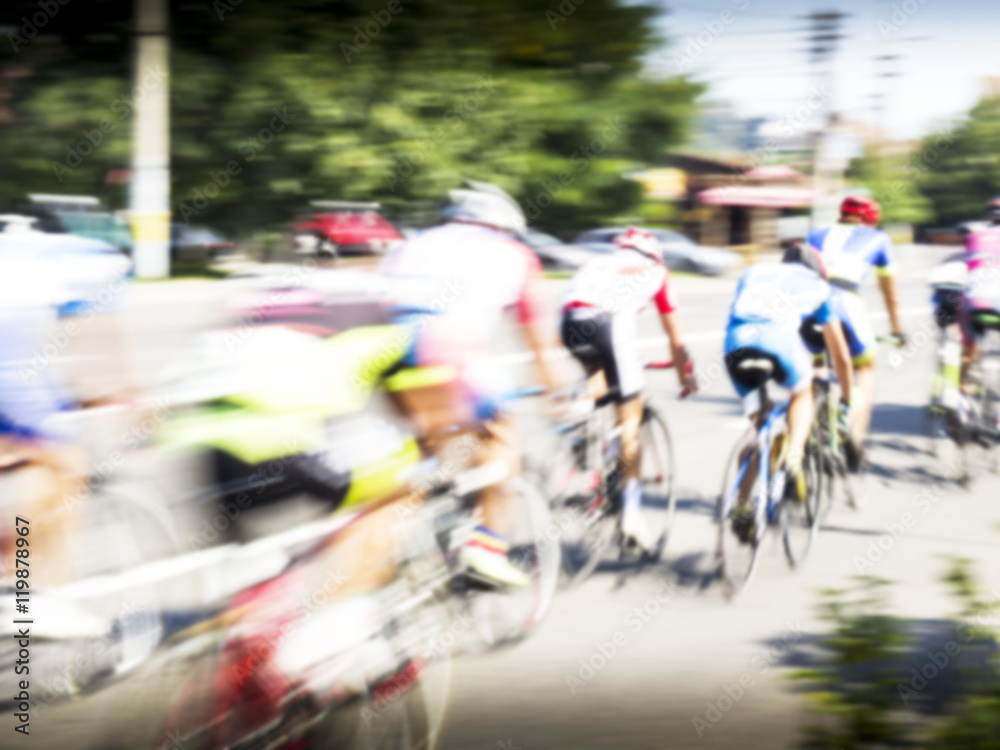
335 228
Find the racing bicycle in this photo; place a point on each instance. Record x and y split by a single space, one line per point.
584 482
752 501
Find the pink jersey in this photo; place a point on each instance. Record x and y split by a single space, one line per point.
982 248
623 282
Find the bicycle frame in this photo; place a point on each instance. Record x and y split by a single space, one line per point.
768 508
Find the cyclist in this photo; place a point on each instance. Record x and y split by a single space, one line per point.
980 310
763 341
450 285
849 250
599 327
33 432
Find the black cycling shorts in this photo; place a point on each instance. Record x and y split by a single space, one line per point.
601 341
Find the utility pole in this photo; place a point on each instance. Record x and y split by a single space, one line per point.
149 208
824 38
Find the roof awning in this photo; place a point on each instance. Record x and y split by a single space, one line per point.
758 197
773 172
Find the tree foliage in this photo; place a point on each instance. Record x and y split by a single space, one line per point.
273 104
966 170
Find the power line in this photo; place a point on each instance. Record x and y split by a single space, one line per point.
769 32
735 11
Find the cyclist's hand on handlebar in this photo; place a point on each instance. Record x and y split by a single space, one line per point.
899 339
844 418
689 383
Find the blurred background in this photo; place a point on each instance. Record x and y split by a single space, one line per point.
217 150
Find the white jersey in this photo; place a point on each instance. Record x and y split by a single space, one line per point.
621 283
465 274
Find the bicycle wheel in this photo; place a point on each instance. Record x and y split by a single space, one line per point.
386 720
989 399
939 428
738 553
659 504
583 512
856 483
506 616
800 520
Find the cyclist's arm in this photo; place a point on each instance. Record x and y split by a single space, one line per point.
885 267
887 285
679 352
836 344
664 300
539 344
531 314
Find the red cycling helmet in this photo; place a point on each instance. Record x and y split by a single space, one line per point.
866 209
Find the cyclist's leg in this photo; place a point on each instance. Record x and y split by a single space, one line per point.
582 331
484 392
498 443
861 342
465 391
978 318
794 371
625 371
606 344
746 383
953 325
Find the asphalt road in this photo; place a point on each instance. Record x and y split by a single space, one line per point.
692 648
684 646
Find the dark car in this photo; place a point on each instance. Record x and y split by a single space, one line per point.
187 241
679 252
557 255
334 228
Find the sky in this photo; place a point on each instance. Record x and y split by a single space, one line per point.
755 57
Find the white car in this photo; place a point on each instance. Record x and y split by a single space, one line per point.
18 224
679 252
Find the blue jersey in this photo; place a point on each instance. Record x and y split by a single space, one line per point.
850 251
781 295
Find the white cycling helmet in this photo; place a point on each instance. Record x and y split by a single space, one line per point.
641 240
483 203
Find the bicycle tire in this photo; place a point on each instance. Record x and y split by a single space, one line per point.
581 506
989 398
737 560
506 616
807 516
362 724
657 490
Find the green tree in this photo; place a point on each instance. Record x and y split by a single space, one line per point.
393 100
894 181
963 167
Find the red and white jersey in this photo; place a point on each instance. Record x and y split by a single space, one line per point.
466 274
623 282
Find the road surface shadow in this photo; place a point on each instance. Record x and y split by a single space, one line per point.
899 419
932 665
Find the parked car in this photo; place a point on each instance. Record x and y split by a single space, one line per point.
335 228
969 227
82 215
557 255
679 252
187 241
